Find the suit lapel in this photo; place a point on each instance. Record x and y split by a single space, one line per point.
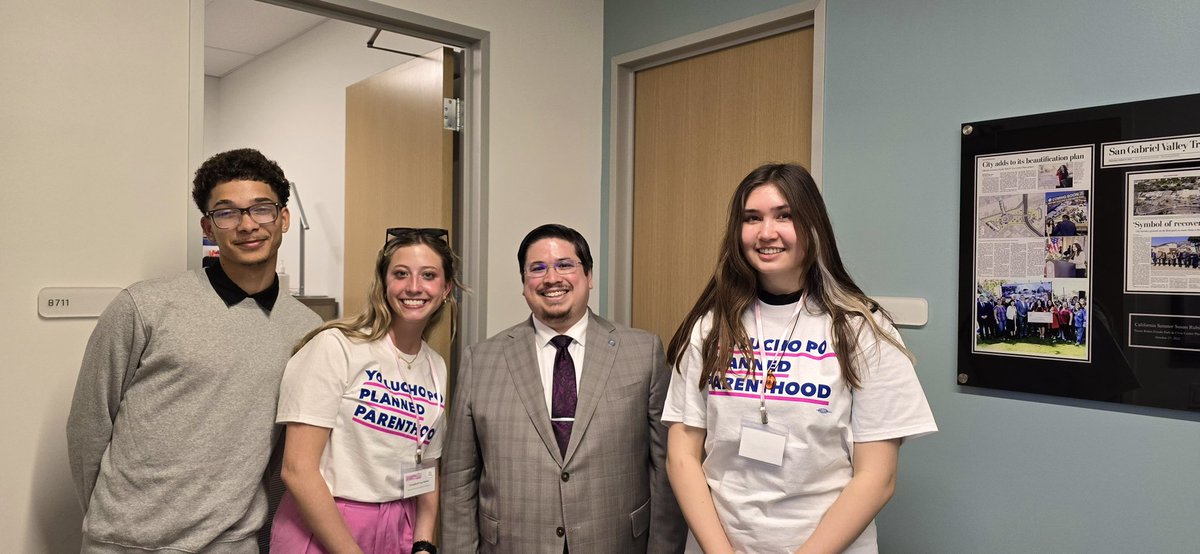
600 351
521 355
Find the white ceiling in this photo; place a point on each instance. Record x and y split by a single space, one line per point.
237 31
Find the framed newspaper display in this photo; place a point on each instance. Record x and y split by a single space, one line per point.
1080 253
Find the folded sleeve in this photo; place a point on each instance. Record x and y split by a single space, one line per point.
686 403
314 381
891 403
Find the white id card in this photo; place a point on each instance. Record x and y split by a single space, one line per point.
419 481
764 443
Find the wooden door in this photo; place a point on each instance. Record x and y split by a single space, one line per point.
700 125
399 167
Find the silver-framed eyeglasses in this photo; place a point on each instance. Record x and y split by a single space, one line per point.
262 213
565 266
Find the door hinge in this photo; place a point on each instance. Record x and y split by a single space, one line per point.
452 114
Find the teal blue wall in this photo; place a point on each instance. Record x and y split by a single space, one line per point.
1008 472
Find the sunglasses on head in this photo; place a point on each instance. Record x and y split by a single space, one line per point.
431 232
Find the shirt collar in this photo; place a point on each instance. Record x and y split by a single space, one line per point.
577 332
233 294
780 299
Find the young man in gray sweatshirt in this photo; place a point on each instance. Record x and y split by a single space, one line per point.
172 422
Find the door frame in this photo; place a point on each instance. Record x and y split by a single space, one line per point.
810 13
472 174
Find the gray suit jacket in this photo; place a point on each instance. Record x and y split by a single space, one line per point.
506 488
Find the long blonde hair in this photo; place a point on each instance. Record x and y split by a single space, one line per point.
375 319
734 283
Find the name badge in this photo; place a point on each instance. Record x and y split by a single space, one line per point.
764 443
419 481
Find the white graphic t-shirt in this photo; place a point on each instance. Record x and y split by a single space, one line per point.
767 508
377 408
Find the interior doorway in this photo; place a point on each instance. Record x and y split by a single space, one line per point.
400 168
701 124
690 118
296 95
289 101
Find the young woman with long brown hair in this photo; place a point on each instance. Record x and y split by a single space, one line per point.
793 390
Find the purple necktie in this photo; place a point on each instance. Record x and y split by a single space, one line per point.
563 396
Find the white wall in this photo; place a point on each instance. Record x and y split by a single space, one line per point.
93 168
546 69
211 143
290 104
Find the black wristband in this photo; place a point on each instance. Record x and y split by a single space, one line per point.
424 546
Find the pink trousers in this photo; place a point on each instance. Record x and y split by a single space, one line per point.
377 528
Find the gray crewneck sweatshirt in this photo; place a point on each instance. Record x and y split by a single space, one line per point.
172 421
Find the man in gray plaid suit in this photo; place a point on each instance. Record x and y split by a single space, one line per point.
555 443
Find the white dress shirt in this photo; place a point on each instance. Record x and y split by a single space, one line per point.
542 334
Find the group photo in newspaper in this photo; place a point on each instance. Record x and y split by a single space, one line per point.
1031 249
1163 232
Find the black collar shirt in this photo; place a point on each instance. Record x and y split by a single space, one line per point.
233 294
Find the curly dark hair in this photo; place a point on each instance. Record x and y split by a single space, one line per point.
235 165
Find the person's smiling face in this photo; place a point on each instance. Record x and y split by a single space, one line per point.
769 241
556 299
248 244
416 285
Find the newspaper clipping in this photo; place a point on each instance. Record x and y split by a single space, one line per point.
1150 151
1032 213
1163 232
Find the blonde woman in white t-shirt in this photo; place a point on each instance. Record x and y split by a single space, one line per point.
793 390
363 400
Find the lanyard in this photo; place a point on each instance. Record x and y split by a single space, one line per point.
768 369
421 441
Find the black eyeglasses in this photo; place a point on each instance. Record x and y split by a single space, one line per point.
431 232
228 218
